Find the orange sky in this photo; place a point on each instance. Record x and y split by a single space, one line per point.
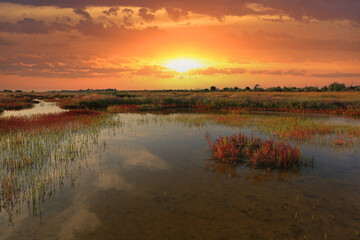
177 44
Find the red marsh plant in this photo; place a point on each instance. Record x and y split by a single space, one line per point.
255 152
53 121
123 108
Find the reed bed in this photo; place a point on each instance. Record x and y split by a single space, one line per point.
14 102
347 104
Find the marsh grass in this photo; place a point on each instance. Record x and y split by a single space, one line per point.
40 153
321 103
14 102
298 129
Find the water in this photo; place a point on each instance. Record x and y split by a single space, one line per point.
39 108
153 180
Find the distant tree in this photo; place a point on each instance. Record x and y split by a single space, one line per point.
226 89
18 91
286 89
7 90
213 88
275 89
236 88
337 87
324 89
256 87
247 89
311 89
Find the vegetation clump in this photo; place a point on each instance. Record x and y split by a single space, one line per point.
53 121
9 102
254 152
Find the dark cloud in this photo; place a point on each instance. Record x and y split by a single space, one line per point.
144 13
100 30
176 13
111 11
127 18
336 75
82 13
319 9
55 67
32 26
27 25
271 40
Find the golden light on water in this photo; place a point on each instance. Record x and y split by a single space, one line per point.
183 65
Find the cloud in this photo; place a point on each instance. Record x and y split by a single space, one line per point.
232 71
144 13
300 10
83 13
279 72
260 40
111 11
3 42
32 26
213 71
127 18
176 13
100 30
27 25
55 66
336 75
157 71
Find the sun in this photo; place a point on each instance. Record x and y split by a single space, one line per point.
183 65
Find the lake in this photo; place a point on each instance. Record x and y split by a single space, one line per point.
151 178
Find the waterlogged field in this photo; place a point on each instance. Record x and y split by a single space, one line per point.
83 174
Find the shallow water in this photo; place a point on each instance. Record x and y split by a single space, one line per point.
39 108
153 180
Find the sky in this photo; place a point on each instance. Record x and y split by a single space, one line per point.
177 44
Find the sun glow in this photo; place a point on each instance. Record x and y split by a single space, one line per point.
183 65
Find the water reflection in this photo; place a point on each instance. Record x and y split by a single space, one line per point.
110 179
255 176
78 218
138 156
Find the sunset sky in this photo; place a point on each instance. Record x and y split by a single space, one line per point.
178 44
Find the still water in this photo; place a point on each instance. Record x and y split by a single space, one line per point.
153 180
40 108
